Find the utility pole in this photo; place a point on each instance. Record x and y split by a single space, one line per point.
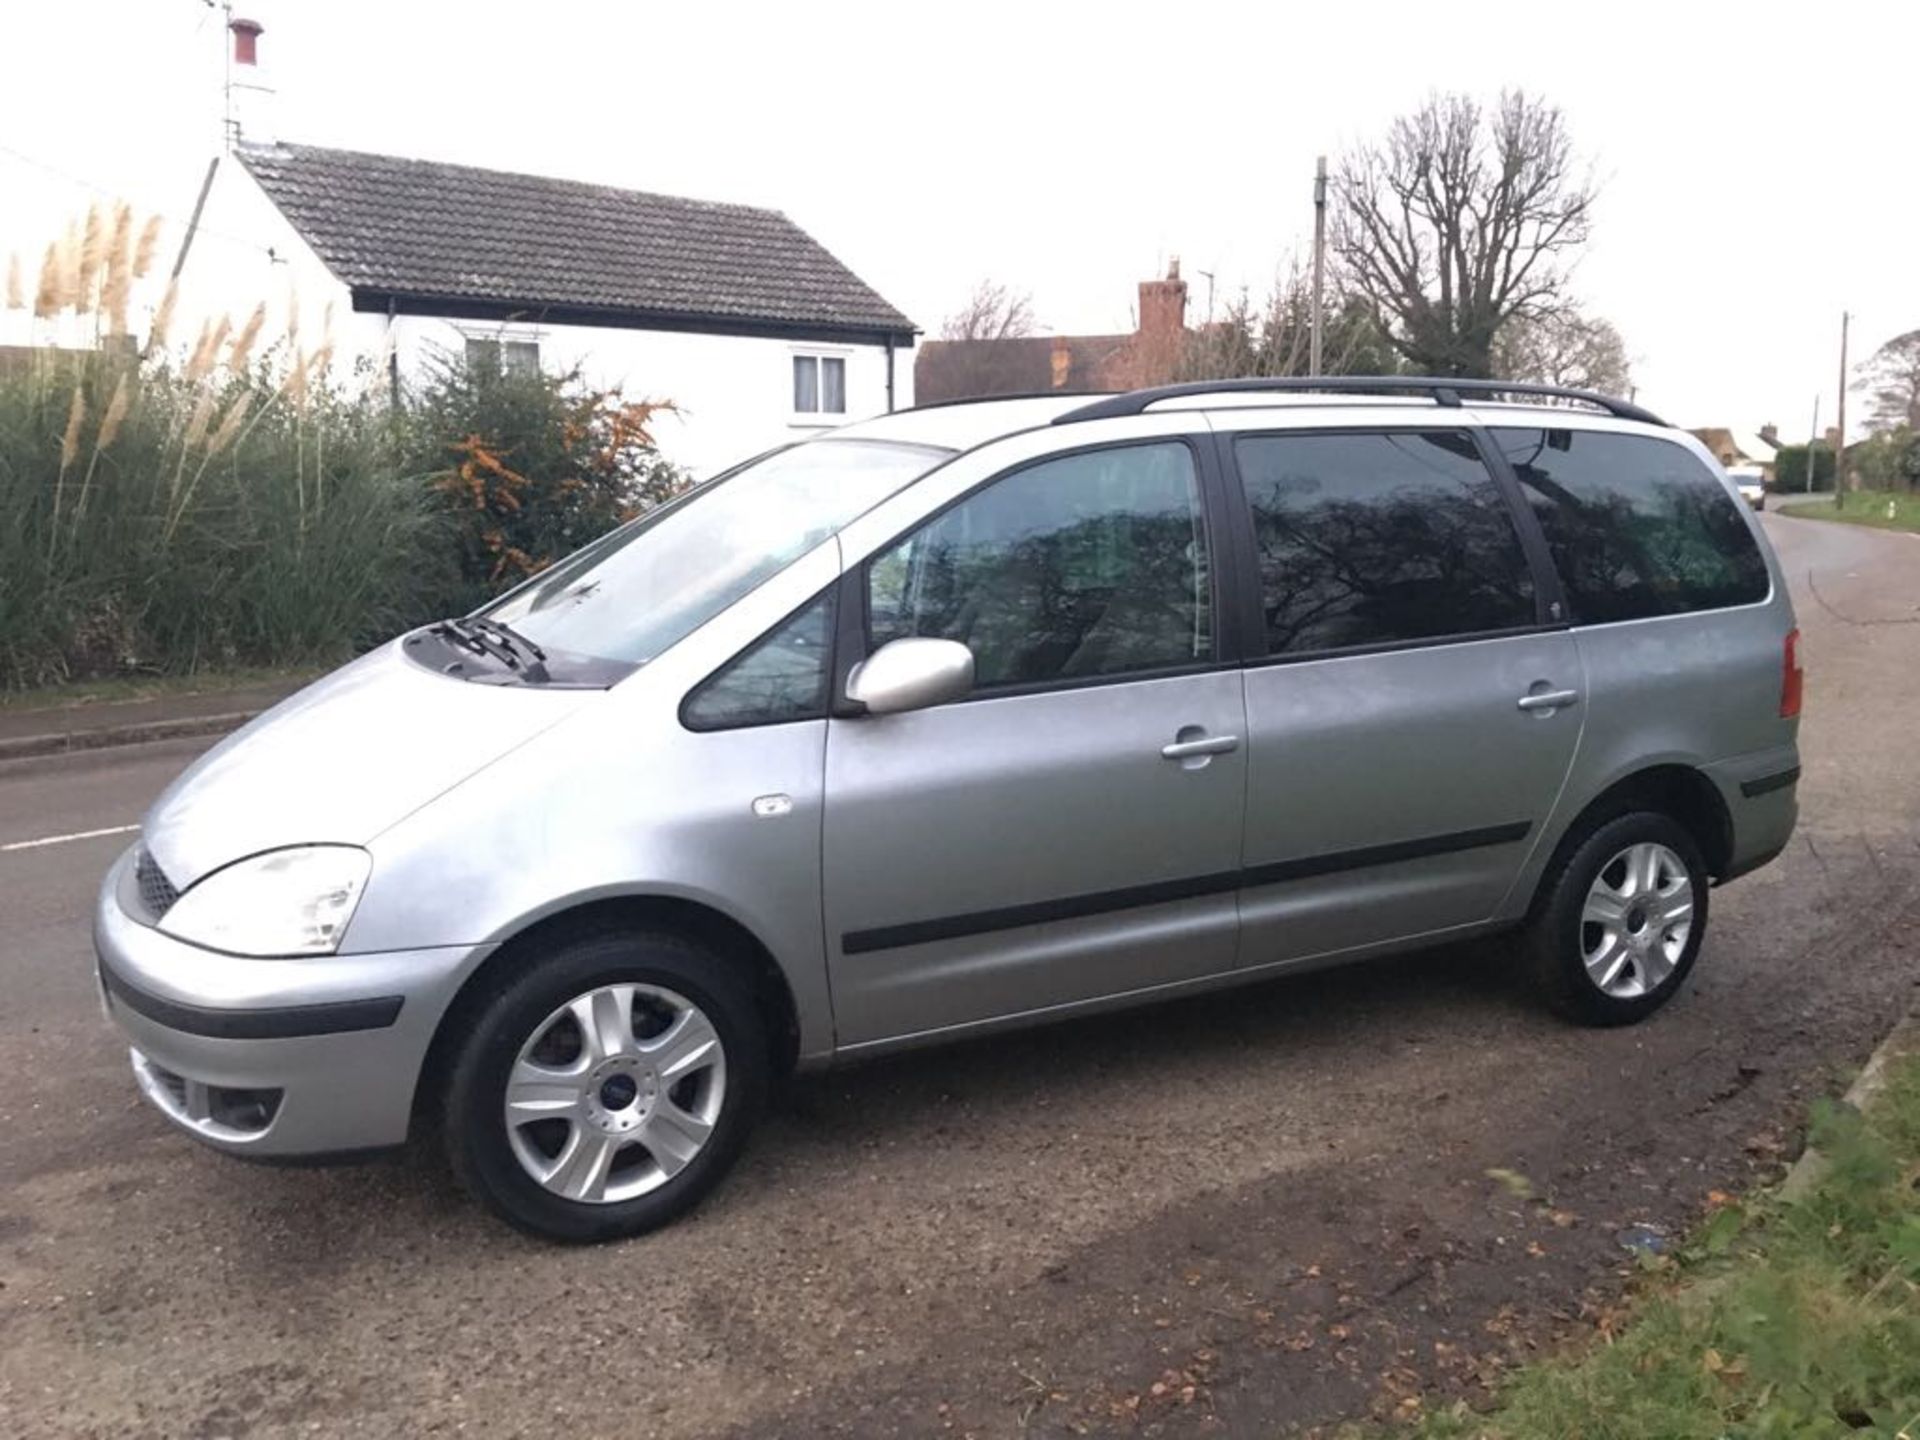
1840 440
1319 259
1813 439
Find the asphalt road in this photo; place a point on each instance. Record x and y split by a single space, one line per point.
1235 1214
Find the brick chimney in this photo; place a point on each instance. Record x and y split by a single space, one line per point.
249 95
1163 304
1770 433
246 40
1161 340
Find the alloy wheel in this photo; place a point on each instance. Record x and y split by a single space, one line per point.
615 1093
1636 920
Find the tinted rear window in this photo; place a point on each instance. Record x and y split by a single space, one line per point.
1637 526
1380 539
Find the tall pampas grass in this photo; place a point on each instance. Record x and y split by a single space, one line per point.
197 422
243 342
230 424
90 256
46 297
70 440
116 415
162 320
203 502
110 423
143 250
212 337
69 452
116 284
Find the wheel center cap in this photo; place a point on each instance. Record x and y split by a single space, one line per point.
1636 920
618 1091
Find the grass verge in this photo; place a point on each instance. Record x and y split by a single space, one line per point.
1883 509
1778 1318
151 687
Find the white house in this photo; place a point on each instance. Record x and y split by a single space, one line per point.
747 324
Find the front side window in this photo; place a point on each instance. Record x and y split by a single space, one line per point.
780 677
1637 526
634 592
1380 539
819 385
1087 566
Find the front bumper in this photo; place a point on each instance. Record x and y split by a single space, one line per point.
273 1057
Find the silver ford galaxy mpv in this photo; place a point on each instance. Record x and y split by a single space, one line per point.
963 718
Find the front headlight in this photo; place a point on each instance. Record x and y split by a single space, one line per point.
285 902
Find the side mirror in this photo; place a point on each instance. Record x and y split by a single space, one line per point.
911 674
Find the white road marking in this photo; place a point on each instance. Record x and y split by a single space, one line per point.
63 839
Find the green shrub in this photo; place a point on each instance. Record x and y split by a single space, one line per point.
521 469
1790 469
1889 460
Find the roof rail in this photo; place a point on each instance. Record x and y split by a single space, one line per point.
1445 391
1008 395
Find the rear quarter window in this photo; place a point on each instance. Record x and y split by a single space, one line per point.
1637 526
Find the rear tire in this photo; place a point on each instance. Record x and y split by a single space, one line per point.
1620 920
607 1086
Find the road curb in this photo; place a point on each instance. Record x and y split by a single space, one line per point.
1813 1164
66 742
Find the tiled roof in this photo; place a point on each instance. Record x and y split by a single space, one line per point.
1021 365
461 240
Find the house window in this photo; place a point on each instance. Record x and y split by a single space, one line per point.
509 357
819 385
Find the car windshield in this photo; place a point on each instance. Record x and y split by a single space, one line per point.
637 590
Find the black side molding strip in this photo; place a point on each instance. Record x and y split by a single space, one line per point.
1767 784
281 1022
1391 854
1038 912
1100 902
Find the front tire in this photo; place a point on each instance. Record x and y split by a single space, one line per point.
607 1086
1620 922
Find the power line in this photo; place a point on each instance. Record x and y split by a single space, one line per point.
114 193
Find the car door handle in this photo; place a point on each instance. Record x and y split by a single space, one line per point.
1206 745
1549 700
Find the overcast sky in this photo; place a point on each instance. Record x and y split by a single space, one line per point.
1755 160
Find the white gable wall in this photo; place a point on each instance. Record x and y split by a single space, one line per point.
732 396
245 253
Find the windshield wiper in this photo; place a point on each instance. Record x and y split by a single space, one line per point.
497 642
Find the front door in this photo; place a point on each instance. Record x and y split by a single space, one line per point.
1072 829
1418 708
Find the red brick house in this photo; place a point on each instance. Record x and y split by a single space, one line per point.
1036 364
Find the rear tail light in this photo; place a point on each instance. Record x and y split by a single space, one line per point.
1793 679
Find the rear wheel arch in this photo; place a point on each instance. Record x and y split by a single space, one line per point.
1681 791
711 928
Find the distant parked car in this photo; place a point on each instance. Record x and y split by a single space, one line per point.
958 719
1752 484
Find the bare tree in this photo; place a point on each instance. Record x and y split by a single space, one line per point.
992 312
1563 347
1460 220
1893 374
1274 338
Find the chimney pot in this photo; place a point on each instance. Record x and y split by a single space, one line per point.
246 40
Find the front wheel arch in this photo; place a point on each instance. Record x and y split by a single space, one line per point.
702 924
